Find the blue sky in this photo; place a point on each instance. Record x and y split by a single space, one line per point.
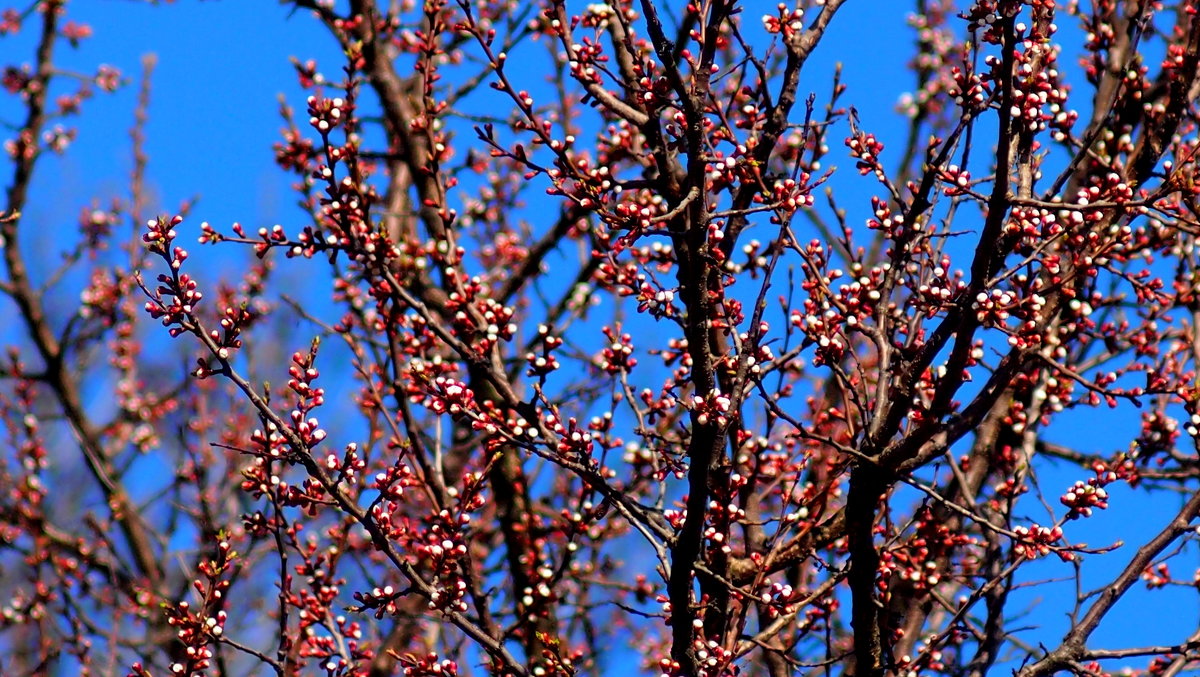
214 115
214 119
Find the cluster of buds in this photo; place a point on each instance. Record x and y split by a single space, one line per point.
938 287
1122 468
303 372
928 656
790 194
443 545
100 299
658 302
957 180
325 114
159 235
582 61
893 225
1034 226
349 466
310 496
108 79
421 374
711 658
346 208
723 511
1036 87
450 396
751 115
506 252
938 46
588 186
1082 497
1055 393
1176 57
625 279
1158 437
823 329
859 297
755 355
985 15
16 79
391 511
712 408
383 599
174 302
500 428
59 138
785 21
1038 541
23 147
637 210
993 309
450 596
617 356
1158 576
429 665
675 517
345 203
339 647
308 429
478 317
645 461
654 91
272 237
866 149
97 224
272 444
916 562
198 630
392 482
10 21
541 594
779 598
27 490
1193 425
597 15
676 352
968 91
23 606
574 441
295 153
234 320
1111 187
500 326
546 362
997 308
739 166
756 260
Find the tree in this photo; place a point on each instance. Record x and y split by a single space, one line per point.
598 368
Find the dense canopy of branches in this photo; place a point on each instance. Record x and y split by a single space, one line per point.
609 338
